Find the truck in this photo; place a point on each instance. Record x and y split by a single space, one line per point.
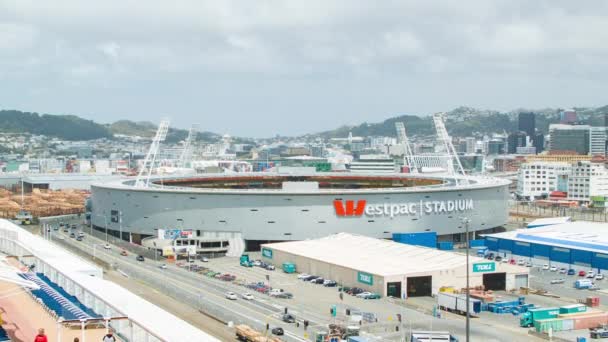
424 336
482 251
583 284
458 303
247 334
528 319
245 261
289 267
599 333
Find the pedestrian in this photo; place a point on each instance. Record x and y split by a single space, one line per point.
109 337
41 337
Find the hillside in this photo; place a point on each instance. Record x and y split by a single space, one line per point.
71 127
466 121
68 127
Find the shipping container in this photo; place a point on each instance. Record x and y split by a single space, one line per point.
574 308
544 325
591 320
458 303
445 245
567 324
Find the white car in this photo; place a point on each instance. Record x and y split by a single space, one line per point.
599 276
591 274
363 294
528 264
303 275
327 281
563 271
545 266
247 296
553 269
163 267
80 234
107 246
521 262
61 237
505 260
203 259
230 295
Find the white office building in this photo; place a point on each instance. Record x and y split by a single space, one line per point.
373 164
587 179
597 141
538 179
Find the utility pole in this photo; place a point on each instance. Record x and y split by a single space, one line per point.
466 222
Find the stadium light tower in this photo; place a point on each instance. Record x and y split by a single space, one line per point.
143 178
453 162
186 155
408 155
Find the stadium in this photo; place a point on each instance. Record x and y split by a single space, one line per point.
240 211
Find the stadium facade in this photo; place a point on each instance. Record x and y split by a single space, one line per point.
261 207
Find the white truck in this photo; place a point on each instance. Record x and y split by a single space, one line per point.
458 303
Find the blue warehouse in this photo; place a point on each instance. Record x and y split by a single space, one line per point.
569 244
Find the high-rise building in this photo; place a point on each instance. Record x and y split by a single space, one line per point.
496 146
515 140
470 144
527 123
538 140
568 116
597 141
569 138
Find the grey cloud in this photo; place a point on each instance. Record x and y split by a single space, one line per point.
255 68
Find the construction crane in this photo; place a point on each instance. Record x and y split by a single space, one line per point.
143 178
408 155
453 163
186 155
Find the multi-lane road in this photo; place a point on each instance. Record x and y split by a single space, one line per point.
310 302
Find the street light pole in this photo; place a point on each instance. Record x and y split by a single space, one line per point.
466 222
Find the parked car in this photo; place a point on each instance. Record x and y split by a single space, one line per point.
317 281
553 269
257 263
599 276
284 295
563 270
107 246
303 275
288 318
270 267
247 296
590 274
230 295
55 228
79 238
498 258
203 259
490 256
557 281
512 262
80 234
140 258
521 262
571 271
546 267
363 294
124 253
528 264
309 278
582 273
72 235
277 331
355 291
330 283
163 267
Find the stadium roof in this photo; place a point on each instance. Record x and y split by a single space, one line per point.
582 235
159 322
375 256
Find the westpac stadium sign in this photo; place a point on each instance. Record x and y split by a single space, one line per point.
357 208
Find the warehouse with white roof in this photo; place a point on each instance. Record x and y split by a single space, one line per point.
569 244
390 268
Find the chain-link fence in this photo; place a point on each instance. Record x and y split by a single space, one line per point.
535 210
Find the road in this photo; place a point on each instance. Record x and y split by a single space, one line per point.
265 309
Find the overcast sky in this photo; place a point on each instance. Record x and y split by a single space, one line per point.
259 68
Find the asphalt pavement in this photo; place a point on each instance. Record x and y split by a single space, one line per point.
311 302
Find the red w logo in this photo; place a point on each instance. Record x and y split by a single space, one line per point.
350 209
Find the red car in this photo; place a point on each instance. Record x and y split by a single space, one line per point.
582 273
512 261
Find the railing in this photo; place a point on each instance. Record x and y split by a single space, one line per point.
519 208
